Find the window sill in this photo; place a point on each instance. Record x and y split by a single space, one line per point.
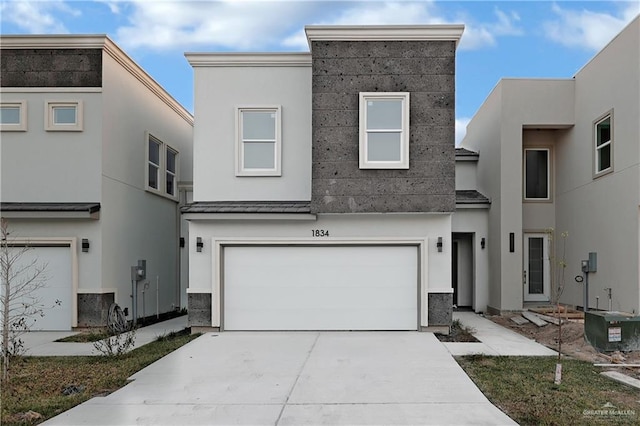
162 194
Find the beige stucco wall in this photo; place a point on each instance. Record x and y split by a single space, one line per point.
139 224
600 214
45 166
218 91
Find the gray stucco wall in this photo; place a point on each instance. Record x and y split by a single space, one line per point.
343 69
51 68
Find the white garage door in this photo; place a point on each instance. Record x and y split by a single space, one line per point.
320 288
56 287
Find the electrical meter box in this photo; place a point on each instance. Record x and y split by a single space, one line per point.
612 331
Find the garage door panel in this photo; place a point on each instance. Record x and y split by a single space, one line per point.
57 286
320 288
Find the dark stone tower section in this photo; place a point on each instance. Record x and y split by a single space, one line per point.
343 69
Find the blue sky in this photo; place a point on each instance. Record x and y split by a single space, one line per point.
502 38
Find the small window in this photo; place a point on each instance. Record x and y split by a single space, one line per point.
258 141
536 172
63 116
161 168
13 116
384 130
603 145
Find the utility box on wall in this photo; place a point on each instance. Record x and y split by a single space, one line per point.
612 331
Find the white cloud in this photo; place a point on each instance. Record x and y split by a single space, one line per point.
461 129
37 17
226 25
270 25
478 35
588 29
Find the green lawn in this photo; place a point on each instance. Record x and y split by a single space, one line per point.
523 388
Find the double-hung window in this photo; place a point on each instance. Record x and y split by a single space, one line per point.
384 130
258 141
537 174
161 168
13 116
603 145
63 116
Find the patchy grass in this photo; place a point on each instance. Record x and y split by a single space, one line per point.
523 388
88 336
459 333
37 383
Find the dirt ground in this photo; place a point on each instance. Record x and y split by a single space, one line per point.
573 343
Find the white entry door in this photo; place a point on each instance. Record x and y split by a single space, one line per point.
320 288
537 268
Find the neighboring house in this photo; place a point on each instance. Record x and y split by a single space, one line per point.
93 155
564 154
324 183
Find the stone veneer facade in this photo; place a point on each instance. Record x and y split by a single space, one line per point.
343 69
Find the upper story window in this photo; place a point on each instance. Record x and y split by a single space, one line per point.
603 145
13 116
171 172
384 130
537 174
63 116
258 141
162 168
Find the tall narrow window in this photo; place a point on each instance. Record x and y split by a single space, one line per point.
258 142
153 176
64 116
171 171
536 171
384 130
603 145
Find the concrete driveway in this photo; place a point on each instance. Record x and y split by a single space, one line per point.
299 378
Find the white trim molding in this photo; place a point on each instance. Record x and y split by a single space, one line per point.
383 32
239 59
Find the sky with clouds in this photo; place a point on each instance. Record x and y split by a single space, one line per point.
501 38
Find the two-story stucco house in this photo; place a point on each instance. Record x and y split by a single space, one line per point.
93 154
564 154
324 183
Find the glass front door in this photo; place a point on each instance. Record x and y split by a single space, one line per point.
537 274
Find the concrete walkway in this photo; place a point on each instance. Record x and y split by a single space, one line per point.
494 339
43 343
297 378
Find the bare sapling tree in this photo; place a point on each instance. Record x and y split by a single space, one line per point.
22 277
558 266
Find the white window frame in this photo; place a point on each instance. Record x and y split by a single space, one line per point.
162 168
49 119
17 127
239 143
403 163
524 180
596 149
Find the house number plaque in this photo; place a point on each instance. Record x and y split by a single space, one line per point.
319 232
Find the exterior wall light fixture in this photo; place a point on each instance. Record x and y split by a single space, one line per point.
483 243
439 244
199 244
85 245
